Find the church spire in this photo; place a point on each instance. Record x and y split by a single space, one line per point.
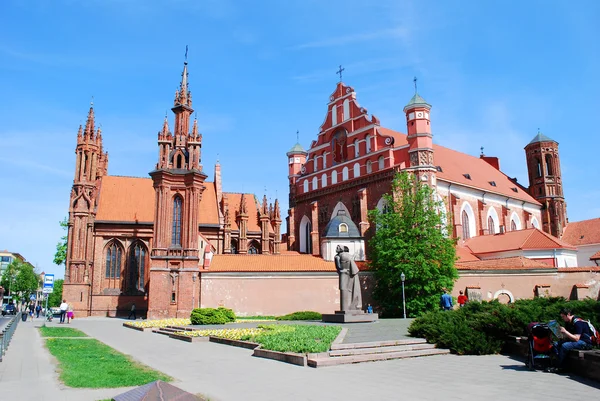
183 96
89 124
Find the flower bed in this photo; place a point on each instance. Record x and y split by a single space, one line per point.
146 324
231 334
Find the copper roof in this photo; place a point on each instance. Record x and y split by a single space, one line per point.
528 239
518 262
270 263
583 232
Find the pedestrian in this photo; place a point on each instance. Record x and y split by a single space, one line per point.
369 308
446 300
70 314
38 309
63 310
462 299
577 336
31 309
132 313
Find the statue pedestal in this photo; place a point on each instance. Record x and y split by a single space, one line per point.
354 316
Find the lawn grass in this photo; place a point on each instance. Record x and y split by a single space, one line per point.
296 338
61 332
92 364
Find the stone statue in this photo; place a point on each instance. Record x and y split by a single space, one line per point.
350 296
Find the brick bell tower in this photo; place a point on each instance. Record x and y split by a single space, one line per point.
296 159
420 139
90 166
179 183
545 182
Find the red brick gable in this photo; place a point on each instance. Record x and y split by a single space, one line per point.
582 232
527 239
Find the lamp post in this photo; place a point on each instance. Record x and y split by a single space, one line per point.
403 277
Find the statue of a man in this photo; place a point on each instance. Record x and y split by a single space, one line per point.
350 296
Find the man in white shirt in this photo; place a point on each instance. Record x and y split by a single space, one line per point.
63 310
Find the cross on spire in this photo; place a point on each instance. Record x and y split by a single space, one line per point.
92 103
415 81
186 50
298 136
482 151
340 72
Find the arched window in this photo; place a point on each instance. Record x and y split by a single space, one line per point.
179 163
515 222
315 183
234 246
346 108
343 228
113 260
491 225
465 225
305 238
334 115
137 267
368 143
513 225
323 180
324 160
254 248
538 168
549 170
333 177
356 170
345 174
305 186
381 162
535 223
369 167
176 230
356 148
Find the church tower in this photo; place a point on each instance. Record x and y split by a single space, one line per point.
178 181
420 139
296 159
90 166
545 182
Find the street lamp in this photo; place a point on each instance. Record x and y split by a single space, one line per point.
403 277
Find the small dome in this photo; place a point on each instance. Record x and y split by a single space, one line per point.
297 148
541 138
341 226
417 100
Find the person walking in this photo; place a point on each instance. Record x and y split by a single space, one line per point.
31 309
69 313
446 300
462 299
63 310
38 309
132 313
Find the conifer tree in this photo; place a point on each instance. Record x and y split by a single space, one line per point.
411 238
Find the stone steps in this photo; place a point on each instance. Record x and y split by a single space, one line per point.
375 351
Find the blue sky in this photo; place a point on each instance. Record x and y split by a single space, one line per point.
494 72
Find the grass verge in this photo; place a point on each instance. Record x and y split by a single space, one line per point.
61 332
92 364
296 338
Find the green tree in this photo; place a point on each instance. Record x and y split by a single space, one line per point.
55 298
61 248
21 280
410 238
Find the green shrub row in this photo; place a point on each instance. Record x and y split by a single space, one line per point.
203 316
296 338
481 328
304 315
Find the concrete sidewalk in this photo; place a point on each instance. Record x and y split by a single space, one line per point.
225 373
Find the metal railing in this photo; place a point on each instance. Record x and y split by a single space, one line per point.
6 335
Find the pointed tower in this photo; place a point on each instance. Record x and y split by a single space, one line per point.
264 226
296 159
276 221
226 224
91 164
545 182
420 139
242 221
179 183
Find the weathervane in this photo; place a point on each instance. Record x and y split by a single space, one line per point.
298 136
340 72
415 81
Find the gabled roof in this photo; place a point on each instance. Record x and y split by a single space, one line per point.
291 262
541 138
595 256
251 207
515 263
528 239
131 199
464 255
583 232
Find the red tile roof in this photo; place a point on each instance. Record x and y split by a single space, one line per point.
579 285
455 164
132 199
251 207
595 256
518 262
579 269
270 263
528 239
582 232
464 255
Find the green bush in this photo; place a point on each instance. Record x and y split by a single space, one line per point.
304 315
296 338
481 328
212 316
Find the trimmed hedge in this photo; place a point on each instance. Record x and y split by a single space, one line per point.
481 328
304 315
203 316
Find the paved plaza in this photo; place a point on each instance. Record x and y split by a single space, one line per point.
223 373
